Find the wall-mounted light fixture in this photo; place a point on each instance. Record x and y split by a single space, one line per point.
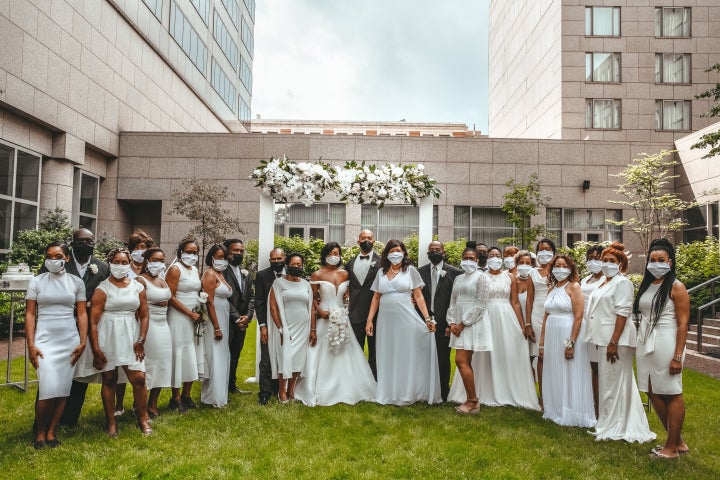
586 185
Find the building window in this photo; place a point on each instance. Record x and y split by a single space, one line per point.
85 200
482 224
19 193
203 8
602 113
233 9
568 225
225 40
673 115
394 221
672 68
672 21
155 7
245 113
602 67
247 37
223 86
187 38
323 221
250 5
702 221
245 74
602 21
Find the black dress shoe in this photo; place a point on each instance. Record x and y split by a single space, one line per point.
262 401
233 389
54 443
38 444
187 403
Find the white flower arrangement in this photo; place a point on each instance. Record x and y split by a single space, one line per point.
204 316
339 331
244 272
93 269
290 182
442 273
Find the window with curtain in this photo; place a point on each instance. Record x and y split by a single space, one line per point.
602 21
155 7
325 221
672 68
233 9
673 115
225 40
672 21
602 67
223 86
603 113
86 193
203 9
569 225
394 221
481 224
19 193
188 39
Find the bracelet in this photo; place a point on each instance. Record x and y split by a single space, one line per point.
280 330
613 343
678 358
313 329
140 340
569 344
541 347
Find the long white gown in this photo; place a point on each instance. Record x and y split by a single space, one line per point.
567 384
502 376
56 333
407 365
217 352
158 344
538 308
334 377
182 328
294 301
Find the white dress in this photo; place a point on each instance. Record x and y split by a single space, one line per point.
56 333
117 332
217 352
158 343
294 301
567 384
182 328
335 377
588 287
656 347
538 308
407 365
468 303
502 376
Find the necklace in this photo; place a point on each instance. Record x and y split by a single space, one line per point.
395 271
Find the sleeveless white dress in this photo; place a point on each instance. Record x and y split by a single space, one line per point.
217 352
567 384
538 308
56 333
158 344
407 364
587 287
182 328
334 377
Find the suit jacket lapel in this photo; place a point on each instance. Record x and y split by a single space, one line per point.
599 292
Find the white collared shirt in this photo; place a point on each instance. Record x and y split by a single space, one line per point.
81 268
238 274
362 267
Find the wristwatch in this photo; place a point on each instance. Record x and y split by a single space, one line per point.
678 358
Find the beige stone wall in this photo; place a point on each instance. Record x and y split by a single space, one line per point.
470 171
698 177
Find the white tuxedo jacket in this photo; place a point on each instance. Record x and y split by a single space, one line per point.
605 304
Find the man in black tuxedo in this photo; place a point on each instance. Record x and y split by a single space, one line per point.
362 271
439 277
263 283
92 271
241 305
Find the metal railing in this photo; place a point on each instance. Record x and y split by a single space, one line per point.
15 297
712 304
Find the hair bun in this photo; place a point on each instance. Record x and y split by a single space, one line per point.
661 241
617 246
471 244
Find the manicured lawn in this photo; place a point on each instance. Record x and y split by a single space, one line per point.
244 440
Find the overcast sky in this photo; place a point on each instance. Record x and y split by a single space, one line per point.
372 60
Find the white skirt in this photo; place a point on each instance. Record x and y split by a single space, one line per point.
56 338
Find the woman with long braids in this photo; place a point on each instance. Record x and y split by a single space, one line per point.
664 304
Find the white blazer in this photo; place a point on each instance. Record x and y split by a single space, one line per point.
606 303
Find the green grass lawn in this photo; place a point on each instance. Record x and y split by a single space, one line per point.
244 440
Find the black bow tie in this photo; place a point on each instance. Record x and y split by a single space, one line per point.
278 275
364 257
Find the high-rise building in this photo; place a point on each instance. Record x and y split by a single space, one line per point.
600 70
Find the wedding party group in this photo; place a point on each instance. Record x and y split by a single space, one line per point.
526 330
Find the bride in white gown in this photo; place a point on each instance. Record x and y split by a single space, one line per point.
336 370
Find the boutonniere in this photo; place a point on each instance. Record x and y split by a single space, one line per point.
442 273
93 268
244 272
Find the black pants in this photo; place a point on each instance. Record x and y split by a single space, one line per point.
443 353
236 341
268 386
359 329
74 404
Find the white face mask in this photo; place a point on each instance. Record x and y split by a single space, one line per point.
469 265
332 260
544 256
395 257
561 274
509 262
155 268
494 263
119 271
657 269
137 256
189 259
594 266
524 270
220 265
54 266
610 269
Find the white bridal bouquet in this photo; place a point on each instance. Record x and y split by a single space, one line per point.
204 316
339 330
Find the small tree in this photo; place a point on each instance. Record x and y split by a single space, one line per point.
29 247
657 212
712 139
199 200
523 201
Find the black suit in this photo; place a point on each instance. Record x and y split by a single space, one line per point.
75 401
360 299
264 280
443 292
241 303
